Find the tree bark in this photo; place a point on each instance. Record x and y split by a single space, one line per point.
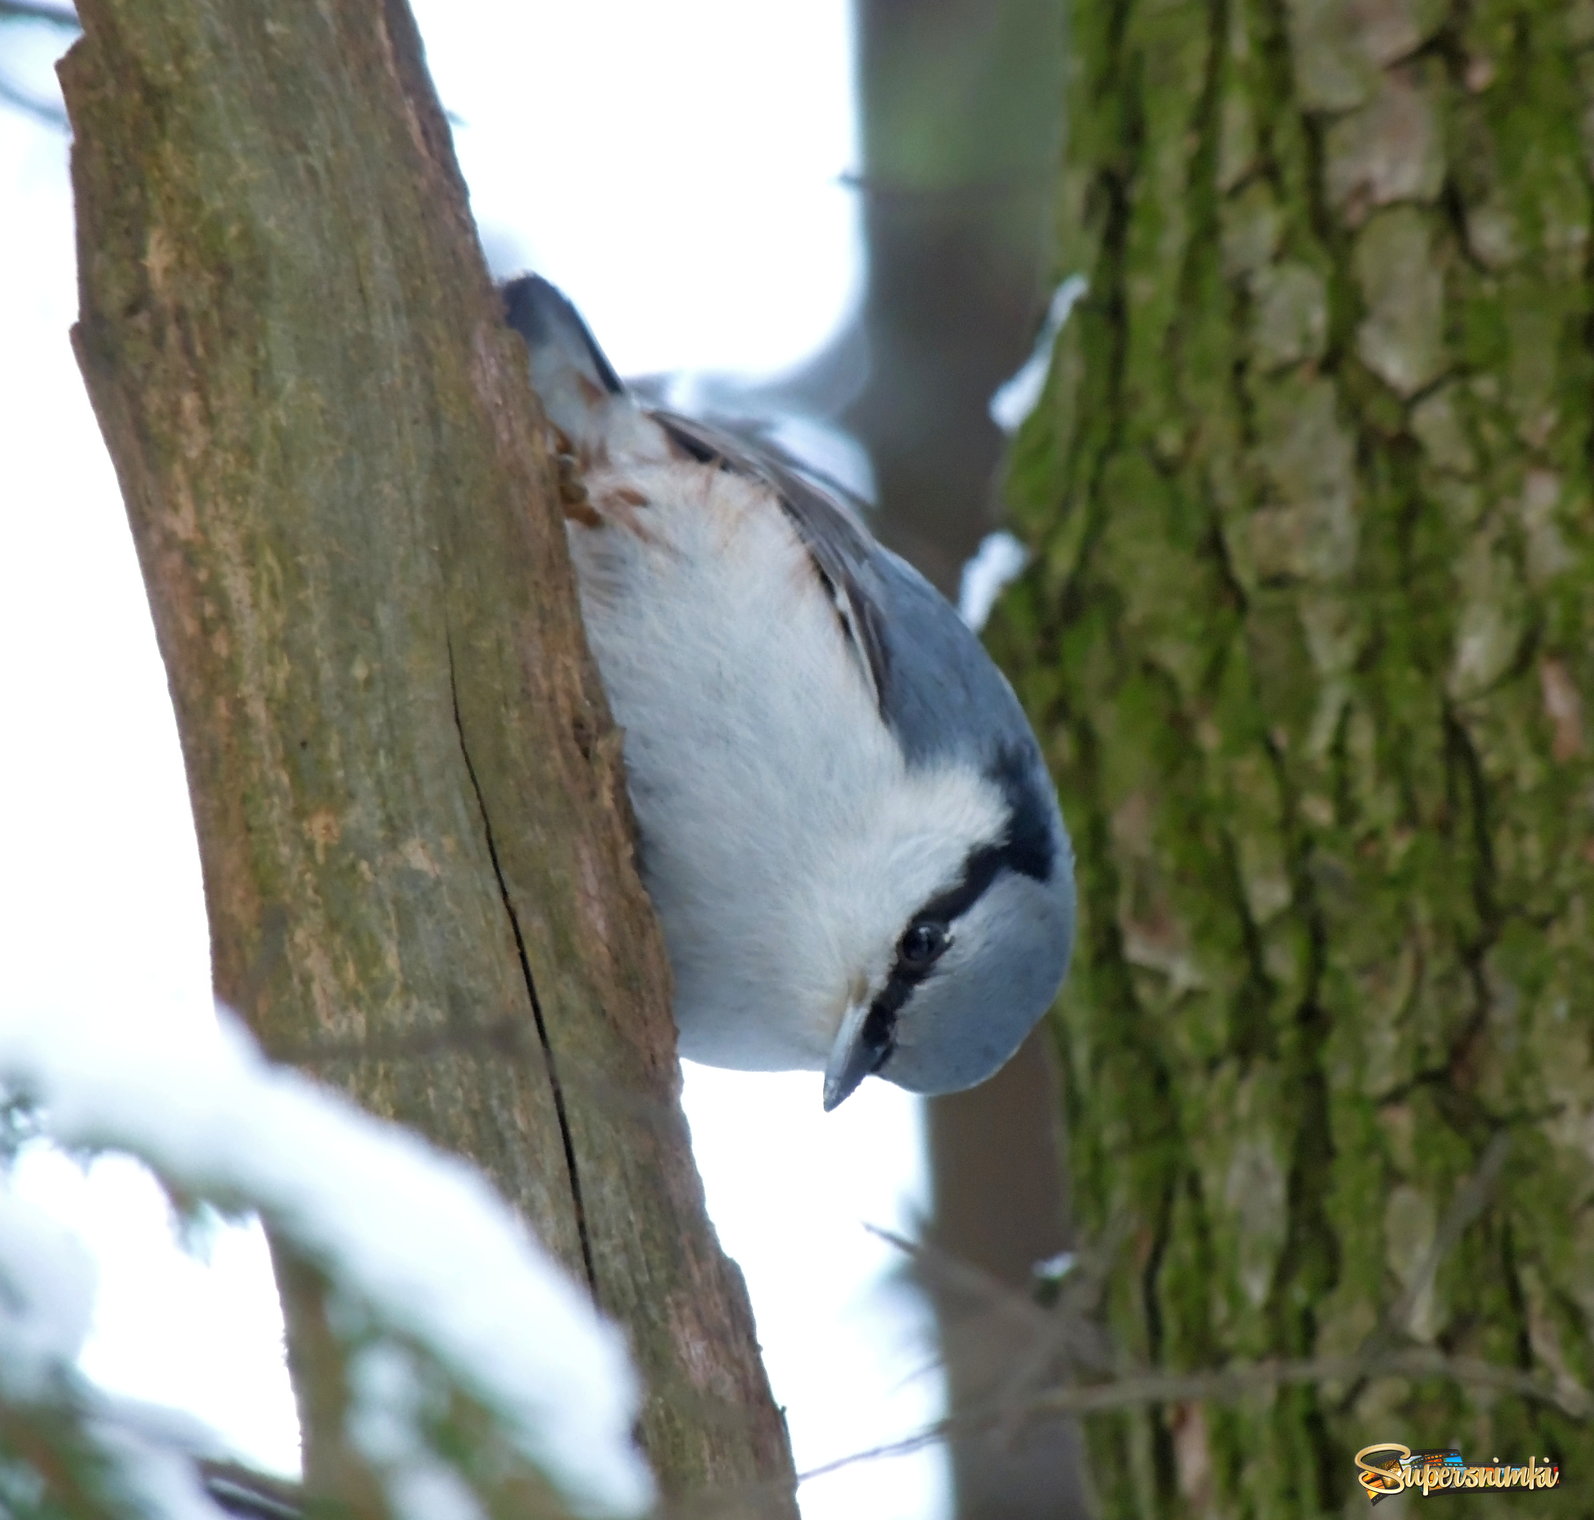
406 784
1310 635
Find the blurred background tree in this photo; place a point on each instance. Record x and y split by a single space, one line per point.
959 131
1308 633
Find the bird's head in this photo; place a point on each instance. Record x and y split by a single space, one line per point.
963 929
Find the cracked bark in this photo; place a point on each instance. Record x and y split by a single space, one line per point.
1309 632
572 1172
407 789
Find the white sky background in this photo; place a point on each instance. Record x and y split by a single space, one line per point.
677 169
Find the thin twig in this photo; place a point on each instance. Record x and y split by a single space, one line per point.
1231 1383
1234 1382
970 191
41 110
1228 1384
1471 1196
942 1269
35 10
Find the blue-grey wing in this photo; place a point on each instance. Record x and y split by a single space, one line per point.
838 544
936 688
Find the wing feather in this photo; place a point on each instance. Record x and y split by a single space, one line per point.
839 546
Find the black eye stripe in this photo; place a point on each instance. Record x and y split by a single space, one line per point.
979 871
881 1024
1026 847
882 1021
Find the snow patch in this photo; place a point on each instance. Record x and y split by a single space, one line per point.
47 1283
996 562
1015 398
417 1238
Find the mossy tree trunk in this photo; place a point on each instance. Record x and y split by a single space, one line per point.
407 789
1310 634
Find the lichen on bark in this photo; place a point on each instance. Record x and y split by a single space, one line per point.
1309 634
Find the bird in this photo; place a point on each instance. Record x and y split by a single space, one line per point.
844 819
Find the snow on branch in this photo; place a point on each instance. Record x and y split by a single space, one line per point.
449 1318
103 1459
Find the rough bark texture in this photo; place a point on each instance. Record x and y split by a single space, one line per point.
407 788
1311 633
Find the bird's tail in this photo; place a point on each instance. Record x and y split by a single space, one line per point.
576 383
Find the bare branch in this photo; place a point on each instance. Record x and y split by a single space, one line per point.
33 10
30 105
1231 1384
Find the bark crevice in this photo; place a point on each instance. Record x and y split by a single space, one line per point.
335 479
572 1170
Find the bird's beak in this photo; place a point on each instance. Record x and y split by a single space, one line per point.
852 1058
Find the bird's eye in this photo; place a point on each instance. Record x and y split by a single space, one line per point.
921 946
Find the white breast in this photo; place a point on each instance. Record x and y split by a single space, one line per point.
783 839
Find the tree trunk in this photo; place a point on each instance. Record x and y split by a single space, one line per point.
1309 635
957 99
406 784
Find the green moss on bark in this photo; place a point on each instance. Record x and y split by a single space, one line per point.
1310 635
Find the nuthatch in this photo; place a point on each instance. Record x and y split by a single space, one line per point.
846 825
